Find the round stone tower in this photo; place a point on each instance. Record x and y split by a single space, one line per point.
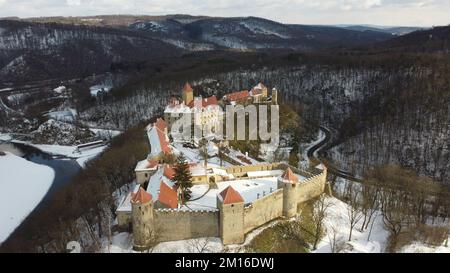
274 96
187 94
142 218
288 182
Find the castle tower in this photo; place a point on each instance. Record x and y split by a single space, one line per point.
231 219
274 96
264 90
187 94
142 218
288 182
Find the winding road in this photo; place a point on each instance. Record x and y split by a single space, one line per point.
314 157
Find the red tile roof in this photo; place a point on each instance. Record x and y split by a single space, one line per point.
163 142
230 196
290 176
235 96
168 172
161 127
168 196
141 196
203 102
161 124
187 88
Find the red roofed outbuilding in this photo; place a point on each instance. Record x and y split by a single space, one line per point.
203 102
237 96
168 196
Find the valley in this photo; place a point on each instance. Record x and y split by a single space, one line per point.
358 100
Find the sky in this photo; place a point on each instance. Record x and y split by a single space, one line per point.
377 12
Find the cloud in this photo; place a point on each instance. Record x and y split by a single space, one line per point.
73 2
381 12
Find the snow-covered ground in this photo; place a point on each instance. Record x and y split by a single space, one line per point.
5 137
99 88
237 155
82 156
23 184
123 243
419 247
337 221
64 115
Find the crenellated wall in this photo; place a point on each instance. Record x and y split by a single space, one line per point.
310 188
263 210
232 221
172 225
241 170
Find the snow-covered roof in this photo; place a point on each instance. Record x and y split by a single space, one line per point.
157 135
200 103
264 173
177 108
125 205
249 189
60 89
197 169
147 164
154 183
219 171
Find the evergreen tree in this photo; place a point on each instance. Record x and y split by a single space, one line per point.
183 178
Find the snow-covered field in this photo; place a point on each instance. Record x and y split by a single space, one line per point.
337 222
419 247
23 184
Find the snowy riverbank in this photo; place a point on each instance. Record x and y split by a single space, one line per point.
23 184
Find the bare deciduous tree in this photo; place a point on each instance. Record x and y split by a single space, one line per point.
395 212
369 204
320 212
354 208
199 245
333 238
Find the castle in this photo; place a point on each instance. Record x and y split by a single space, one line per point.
228 201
